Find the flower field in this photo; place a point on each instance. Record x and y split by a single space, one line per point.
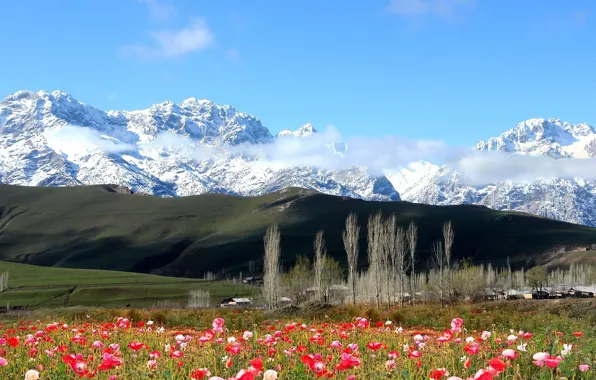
355 348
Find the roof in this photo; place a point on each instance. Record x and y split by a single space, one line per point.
241 300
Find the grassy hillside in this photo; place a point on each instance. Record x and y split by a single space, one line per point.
36 286
94 227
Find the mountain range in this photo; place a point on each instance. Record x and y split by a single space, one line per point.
571 200
197 147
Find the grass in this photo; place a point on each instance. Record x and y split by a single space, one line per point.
95 228
38 287
529 315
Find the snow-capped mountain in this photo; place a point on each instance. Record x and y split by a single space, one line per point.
51 139
550 137
197 146
572 200
304 131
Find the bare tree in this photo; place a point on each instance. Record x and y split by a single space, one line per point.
271 278
401 262
412 238
320 256
198 298
448 236
390 262
375 226
4 281
350 238
438 283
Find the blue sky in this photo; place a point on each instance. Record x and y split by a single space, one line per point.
453 70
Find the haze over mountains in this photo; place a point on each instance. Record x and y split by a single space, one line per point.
197 146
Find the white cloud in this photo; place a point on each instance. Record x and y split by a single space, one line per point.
174 43
317 150
168 143
78 141
481 168
159 11
323 150
447 9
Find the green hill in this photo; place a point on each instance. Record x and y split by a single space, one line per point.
98 228
35 286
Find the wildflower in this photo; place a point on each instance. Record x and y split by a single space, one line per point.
247 335
566 349
578 334
457 324
486 335
553 362
3 362
200 373
446 337
483 374
374 345
218 324
135 346
472 348
497 365
270 375
522 347
509 353
32 375
584 367
438 373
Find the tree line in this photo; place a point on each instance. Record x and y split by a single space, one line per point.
391 253
392 277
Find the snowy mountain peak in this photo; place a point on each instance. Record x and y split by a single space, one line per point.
407 177
168 149
306 130
550 137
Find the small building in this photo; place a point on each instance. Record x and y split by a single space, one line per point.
253 280
236 302
284 301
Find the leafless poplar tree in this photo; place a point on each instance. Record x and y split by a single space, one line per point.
271 278
448 236
401 262
390 261
412 238
3 281
439 259
350 238
319 263
375 227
